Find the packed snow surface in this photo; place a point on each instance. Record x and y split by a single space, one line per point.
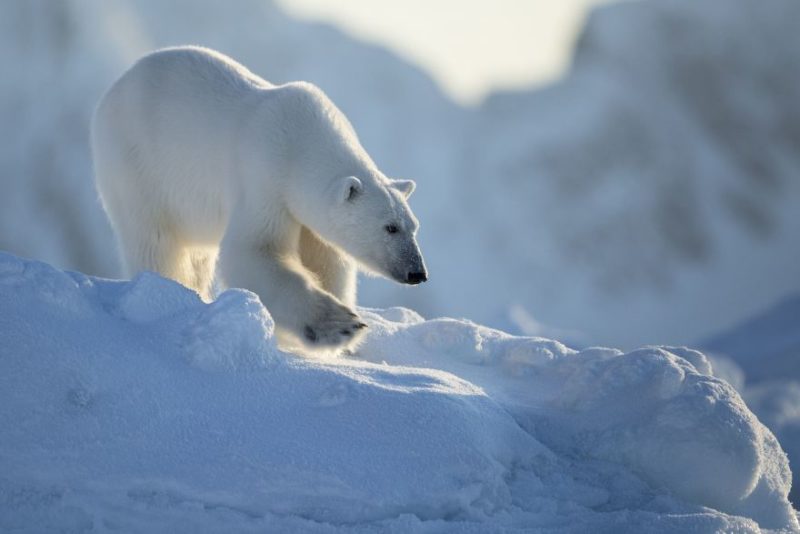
134 406
760 358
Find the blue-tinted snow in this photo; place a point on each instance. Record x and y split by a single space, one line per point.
135 406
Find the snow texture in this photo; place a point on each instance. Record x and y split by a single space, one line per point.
134 406
760 358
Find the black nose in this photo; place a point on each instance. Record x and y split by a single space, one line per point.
417 278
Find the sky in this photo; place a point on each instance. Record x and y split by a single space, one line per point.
469 47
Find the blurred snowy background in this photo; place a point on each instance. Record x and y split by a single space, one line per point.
638 183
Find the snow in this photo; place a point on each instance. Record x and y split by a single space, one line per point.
134 406
764 346
655 182
760 358
647 197
777 404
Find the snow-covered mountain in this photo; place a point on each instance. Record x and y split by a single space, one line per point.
766 346
649 196
135 407
652 193
55 61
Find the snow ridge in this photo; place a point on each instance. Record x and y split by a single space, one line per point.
135 406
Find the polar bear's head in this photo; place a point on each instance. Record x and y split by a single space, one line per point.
369 218
337 191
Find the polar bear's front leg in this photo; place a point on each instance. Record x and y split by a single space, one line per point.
299 307
335 272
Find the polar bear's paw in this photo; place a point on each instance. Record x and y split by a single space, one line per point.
333 325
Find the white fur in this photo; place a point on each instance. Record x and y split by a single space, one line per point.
196 157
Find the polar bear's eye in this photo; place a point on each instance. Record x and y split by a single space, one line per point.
391 228
352 192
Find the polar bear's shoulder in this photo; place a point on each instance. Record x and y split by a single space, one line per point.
309 106
303 95
198 64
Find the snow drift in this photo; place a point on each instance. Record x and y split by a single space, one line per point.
135 406
760 358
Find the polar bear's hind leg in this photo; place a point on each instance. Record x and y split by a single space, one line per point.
156 248
203 265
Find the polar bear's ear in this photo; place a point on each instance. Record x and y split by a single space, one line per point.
406 187
349 188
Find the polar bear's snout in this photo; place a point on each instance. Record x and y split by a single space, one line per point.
416 273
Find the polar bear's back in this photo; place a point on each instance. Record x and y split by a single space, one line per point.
175 112
194 65
196 91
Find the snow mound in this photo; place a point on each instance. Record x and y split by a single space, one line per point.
759 356
650 409
135 406
131 405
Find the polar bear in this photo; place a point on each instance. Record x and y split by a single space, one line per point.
206 169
